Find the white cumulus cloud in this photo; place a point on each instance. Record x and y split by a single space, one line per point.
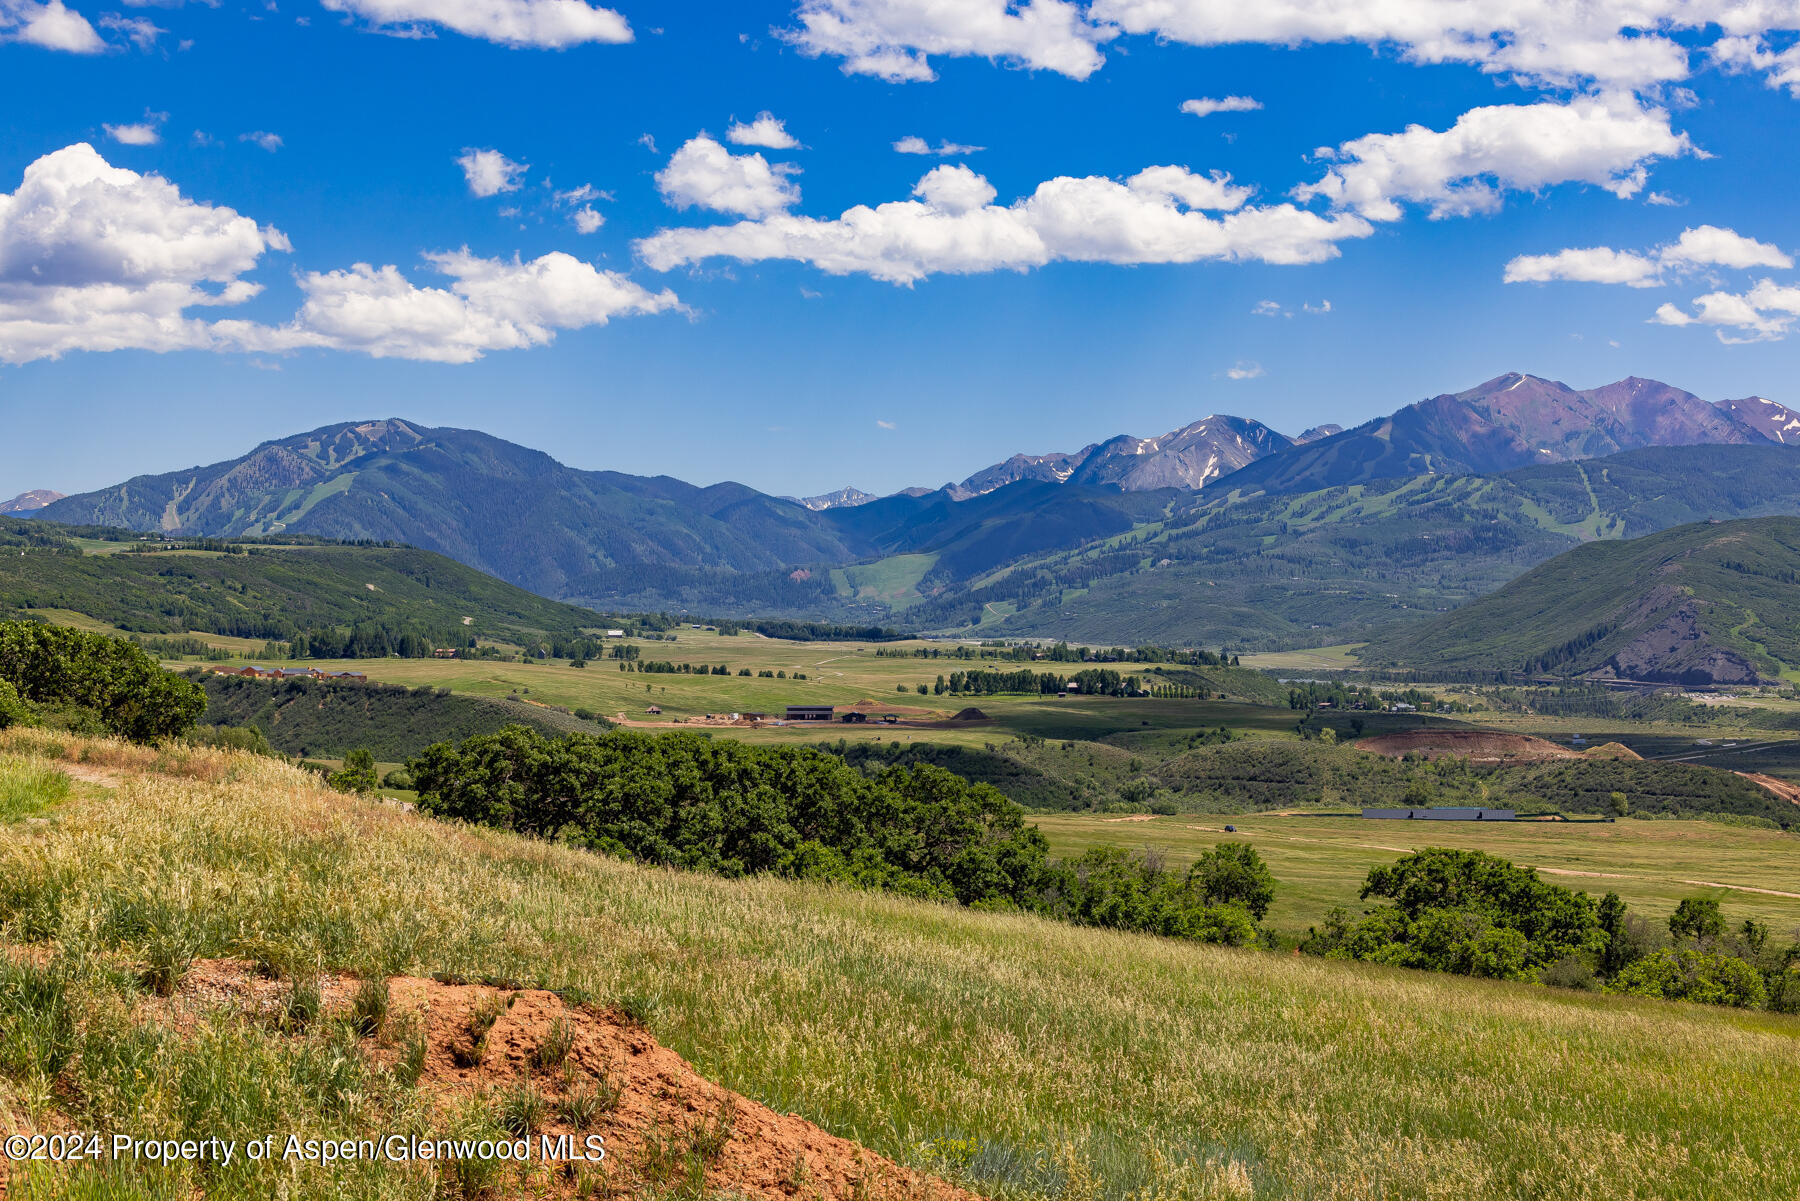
147 132
1603 141
97 257
703 174
489 172
491 304
1620 45
1765 312
1244 369
1698 246
951 226
1205 107
587 219
547 24
263 138
51 25
894 39
767 131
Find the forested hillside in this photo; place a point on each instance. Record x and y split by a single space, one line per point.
1715 602
328 719
270 591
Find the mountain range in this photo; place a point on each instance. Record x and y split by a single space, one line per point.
1511 421
1324 536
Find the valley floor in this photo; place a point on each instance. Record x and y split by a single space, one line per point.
1022 1058
1322 862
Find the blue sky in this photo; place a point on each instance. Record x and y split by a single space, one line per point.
1401 204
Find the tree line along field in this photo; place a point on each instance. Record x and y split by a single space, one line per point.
1322 862
1027 1059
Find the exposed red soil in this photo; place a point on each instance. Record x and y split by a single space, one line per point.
664 1109
1785 789
1482 746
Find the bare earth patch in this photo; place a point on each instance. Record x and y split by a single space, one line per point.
654 1102
1784 789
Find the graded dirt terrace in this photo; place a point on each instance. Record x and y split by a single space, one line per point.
1478 746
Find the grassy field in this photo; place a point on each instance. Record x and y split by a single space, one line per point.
837 673
1321 658
1030 1059
1322 862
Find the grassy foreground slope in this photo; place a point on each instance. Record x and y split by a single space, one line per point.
1030 1059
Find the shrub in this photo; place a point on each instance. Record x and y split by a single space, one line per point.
1697 918
1690 975
1233 872
13 709
1110 887
129 692
1465 912
357 774
233 738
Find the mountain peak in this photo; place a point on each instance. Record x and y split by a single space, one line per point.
1772 420
1190 457
28 502
844 498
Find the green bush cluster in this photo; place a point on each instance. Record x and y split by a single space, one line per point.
1465 912
1474 914
721 806
1220 899
51 668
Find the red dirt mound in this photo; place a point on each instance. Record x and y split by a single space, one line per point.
659 1118
1484 746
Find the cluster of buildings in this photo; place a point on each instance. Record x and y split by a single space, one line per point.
287 673
828 712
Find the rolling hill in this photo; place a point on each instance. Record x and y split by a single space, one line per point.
1710 603
267 591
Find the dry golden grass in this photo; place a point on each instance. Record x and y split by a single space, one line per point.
1029 1059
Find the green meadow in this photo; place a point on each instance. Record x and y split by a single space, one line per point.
1322 862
